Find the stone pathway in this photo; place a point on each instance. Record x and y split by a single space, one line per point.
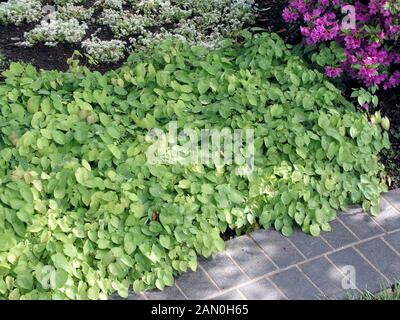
267 265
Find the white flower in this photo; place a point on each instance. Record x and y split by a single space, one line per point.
19 11
57 31
104 51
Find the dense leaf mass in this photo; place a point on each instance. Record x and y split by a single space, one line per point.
80 201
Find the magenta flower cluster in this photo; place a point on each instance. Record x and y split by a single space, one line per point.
371 45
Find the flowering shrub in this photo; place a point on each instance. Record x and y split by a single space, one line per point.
371 46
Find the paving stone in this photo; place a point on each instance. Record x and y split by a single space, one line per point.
134 296
393 197
223 271
366 278
131 296
230 295
308 245
362 225
249 257
389 218
295 285
277 247
327 278
382 257
196 285
169 293
353 209
262 289
394 240
339 236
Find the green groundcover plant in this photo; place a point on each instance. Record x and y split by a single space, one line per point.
82 212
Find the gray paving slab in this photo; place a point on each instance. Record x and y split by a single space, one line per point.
262 289
382 257
249 257
362 225
131 296
277 247
394 240
353 209
196 285
230 295
295 285
339 236
389 217
308 245
169 293
327 278
393 197
224 271
365 277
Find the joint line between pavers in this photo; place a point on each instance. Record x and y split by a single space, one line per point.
298 250
209 277
181 291
371 264
240 268
309 279
376 222
391 204
341 272
241 293
276 287
392 231
350 244
348 228
325 241
372 219
263 252
390 246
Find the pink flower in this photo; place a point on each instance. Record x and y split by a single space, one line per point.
289 15
393 81
372 49
333 72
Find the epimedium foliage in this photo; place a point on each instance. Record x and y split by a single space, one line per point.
78 196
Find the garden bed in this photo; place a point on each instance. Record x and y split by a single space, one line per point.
74 147
42 56
135 24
